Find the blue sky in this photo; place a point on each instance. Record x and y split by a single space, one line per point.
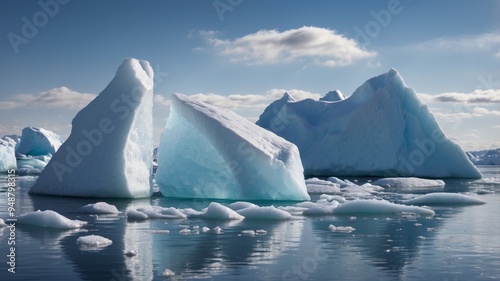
448 51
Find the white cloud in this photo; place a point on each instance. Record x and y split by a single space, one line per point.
486 41
321 45
61 97
252 101
477 96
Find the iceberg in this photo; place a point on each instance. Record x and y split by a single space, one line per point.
211 152
93 242
38 141
382 129
108 153
7 157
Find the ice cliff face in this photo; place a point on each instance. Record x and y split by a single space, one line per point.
108 153
382 129
211 152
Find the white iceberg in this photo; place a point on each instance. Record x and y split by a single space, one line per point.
7 157
373 206
12 140
317 186
108 153
92 242
408 182
135 215
211 152
38 141
442 198
98 208
382 129
49 219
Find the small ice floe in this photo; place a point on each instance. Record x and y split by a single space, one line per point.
98 208
218 230
406 182
241 205
248 232
315 186
93 242
185 231
217 211
49 219
260 232
264 213
345 229
205 229
442 198
168 273
373 206
2 223
134 215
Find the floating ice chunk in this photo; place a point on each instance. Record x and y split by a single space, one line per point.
168 273
108 153
171 212
49 219
321 207
190 212
185 231
261 232
218 230
379 207
380 130
441 198
205 229
315 185
346 229
135 215
2 223
341 183
92 242
7 158
241 205
38 141
361 191
216 211
211 152
98 208
264 213
248 232
408 182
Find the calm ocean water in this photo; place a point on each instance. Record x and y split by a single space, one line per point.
459 243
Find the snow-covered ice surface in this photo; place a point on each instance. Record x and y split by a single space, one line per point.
373 206
109 151
409 182
382 129
38 141
49 219
264 213
93 242
441 198
98 208
211 152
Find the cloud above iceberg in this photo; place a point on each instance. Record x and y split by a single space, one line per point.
485 41
477 96
319 45
61 97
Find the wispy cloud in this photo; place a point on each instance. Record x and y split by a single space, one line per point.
245 102
320 45
61 97
475 97
486 41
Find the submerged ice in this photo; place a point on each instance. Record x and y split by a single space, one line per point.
382 129
108 153
211 152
